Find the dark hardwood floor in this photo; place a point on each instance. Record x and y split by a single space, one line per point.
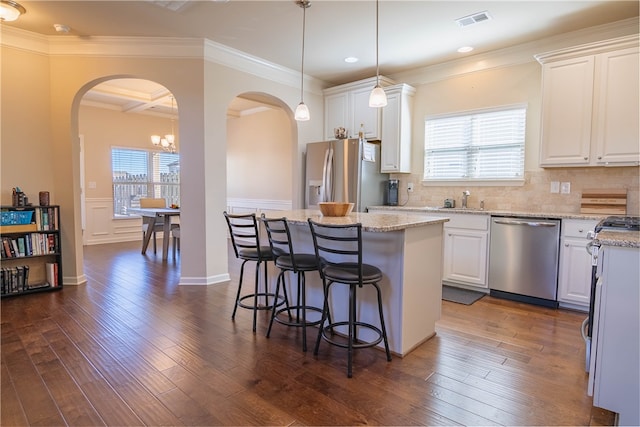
131 347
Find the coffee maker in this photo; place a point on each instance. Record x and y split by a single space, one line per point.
392 192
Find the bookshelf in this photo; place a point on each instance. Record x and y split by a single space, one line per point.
30 250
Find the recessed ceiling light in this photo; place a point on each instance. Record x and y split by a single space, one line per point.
465 49
351 59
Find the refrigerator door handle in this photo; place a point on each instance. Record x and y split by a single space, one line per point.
327 182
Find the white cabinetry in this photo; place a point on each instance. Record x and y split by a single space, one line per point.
347 106
590 105
574 281
615 350
466 248
395 153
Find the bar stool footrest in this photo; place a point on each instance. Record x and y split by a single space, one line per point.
297 323
279 301
356 344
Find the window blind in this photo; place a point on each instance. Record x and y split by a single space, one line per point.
484 145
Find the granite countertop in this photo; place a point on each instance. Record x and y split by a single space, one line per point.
627 239
370 221
476 211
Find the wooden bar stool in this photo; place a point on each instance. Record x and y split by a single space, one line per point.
339 252
297 263
245 238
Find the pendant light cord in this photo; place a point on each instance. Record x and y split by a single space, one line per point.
304 4
377 64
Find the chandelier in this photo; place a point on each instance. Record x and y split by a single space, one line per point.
167 142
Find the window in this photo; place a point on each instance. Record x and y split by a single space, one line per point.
143 173
486 145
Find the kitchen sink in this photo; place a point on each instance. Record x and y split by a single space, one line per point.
442 208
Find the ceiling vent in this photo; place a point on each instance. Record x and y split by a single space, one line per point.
465 21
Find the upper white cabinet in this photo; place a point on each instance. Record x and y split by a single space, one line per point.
347 106
590 105
395 154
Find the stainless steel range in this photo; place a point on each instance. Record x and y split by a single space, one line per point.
608 224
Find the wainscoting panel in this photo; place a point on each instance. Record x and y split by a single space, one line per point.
103 227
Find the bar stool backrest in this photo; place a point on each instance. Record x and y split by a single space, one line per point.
244 232
337 245
279 237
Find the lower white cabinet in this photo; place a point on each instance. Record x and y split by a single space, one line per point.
466 248
615 344
574 279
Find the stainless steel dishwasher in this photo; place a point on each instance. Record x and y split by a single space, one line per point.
523 259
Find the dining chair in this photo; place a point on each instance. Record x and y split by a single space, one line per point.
245 239
146 202
287 260
338 250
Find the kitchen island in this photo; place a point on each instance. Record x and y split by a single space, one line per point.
408 250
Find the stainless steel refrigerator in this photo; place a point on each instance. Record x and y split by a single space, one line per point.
344 170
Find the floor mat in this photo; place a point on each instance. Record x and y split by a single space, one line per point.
461 296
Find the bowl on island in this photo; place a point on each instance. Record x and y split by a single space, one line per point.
335 208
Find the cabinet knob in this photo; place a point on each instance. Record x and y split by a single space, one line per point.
586 158
599 157
566 245
581 231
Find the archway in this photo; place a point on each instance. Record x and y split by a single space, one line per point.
261 154
117 117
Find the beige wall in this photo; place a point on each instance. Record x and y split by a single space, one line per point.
47 116
518 84
26 151
259 156
103 129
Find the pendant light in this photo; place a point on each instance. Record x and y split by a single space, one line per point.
302 111
377 98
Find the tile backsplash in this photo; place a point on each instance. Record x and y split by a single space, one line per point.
535 195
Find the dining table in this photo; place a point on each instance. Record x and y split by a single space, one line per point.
152 215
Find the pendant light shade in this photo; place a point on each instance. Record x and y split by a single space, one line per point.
377 98
302 111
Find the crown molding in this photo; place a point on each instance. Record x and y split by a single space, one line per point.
518 54
156 47
239 60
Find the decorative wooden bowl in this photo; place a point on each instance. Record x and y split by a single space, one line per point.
335 208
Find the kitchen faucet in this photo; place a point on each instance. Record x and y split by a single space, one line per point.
465 195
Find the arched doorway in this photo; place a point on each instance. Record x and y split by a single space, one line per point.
116 120
261 154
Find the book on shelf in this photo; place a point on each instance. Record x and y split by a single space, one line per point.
21 246
52 273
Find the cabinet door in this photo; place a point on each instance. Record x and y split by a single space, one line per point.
363 114
617 107
336 114
567 101
574 283
465 257
390 146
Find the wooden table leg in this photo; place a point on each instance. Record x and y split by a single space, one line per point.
166 236
147 235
